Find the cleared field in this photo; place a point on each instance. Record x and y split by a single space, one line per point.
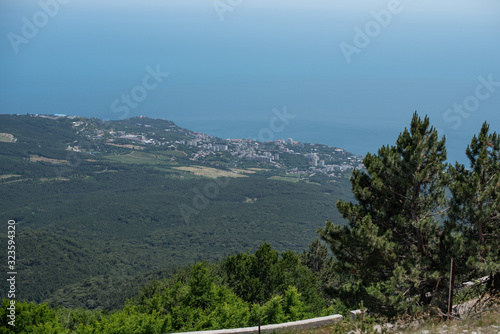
246 171
16 180
285 178
174 153
136 157
132 147
37 158
8 176
209 172
259 169
7 138
46 179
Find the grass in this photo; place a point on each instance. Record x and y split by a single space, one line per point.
246 171
209 172
132 147
487 323
136 157
292 179
179 154
146 158
37 158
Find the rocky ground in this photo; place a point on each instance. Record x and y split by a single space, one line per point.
486 323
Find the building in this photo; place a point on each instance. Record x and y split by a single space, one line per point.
220 147
315 160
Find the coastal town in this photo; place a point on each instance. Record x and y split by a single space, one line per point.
143 134
306 158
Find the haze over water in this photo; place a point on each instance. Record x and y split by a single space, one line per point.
230 67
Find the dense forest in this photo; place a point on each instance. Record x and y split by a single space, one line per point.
99 221
238 291
388 247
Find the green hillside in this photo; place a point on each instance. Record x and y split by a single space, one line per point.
134 238
121 211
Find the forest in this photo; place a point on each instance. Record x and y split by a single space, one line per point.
387 247
100 221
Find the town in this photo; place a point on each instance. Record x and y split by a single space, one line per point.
142 133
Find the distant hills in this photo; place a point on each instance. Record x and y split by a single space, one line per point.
104 204
93 136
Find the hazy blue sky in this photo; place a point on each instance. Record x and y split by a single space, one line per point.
230 63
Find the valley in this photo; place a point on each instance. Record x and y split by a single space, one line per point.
117 201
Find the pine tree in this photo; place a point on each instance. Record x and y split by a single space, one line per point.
475 205
393 254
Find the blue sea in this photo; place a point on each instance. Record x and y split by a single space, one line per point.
358 140
226 74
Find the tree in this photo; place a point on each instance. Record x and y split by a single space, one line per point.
319 260
293 305
394 252
259 277
255 278
201 287
316 258
475 205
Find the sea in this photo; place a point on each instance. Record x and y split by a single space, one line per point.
226 75
356 139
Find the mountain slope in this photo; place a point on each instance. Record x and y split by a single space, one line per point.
87 209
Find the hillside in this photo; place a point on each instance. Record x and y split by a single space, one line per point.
112 201
120 235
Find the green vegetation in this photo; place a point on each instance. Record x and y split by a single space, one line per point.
104 241
199 297
293 179
112 218
394 255
475 206
128 222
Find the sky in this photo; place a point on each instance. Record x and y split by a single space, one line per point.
351 73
